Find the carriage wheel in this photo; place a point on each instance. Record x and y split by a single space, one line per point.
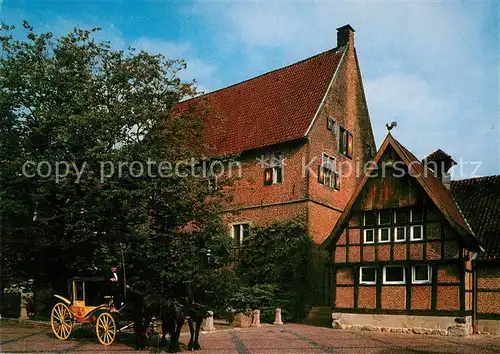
105 328
61 321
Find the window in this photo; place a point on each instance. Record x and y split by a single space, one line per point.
401 216
337 181
368 275
277 166
400 234
394 275
327 177
370 218
384 217
416 233
416 215
369 236
330 123
274 174
421 274
384 235
346 142
240 232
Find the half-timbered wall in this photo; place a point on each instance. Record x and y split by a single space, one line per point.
394 224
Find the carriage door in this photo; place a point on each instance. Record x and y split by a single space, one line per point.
78 293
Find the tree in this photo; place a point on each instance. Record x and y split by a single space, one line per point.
77 105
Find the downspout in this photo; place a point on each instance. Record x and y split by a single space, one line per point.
474 296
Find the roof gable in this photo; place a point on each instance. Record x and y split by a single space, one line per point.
431 185
275 107
479 199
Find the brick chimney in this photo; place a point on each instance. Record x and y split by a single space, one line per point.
345 34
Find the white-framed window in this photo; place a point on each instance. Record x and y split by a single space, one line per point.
369 236
421 274
416 215
239 233
277 165
416 233
384 217
368 275
400 234
328 167
393 275
384 235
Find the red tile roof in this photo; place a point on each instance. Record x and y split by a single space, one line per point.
440 195
275 107
479 199
434 188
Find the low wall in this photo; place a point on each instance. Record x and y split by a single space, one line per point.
436 325
488 326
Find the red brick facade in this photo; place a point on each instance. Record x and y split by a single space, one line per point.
300 194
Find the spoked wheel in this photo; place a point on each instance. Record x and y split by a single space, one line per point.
61 321
105 328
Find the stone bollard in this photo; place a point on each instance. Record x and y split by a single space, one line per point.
277 320
208 323
23 315
256 318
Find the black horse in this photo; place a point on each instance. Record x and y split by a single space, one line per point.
174 310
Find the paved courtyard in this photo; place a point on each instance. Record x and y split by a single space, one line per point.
290 338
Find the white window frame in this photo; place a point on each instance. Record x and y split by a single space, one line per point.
364 237
240 236
414 273
412 227
361 281
277 163
396 233
384 281
380 235
325 157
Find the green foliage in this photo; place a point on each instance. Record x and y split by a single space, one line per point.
279 258
74 99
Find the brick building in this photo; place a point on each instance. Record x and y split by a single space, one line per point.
309 122
407 252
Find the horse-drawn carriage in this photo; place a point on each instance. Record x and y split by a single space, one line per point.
90 302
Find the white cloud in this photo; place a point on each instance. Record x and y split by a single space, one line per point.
197 69
432 67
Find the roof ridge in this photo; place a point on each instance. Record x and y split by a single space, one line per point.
263 74
476 179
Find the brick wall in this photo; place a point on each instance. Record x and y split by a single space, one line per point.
322 206
488 284
346 105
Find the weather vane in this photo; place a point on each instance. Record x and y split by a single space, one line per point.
391 126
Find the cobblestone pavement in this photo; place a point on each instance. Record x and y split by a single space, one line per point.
290 338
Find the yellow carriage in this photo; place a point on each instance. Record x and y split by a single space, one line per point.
87 305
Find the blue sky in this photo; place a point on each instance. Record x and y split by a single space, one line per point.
432 67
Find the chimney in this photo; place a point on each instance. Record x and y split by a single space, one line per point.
440 163
345 34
